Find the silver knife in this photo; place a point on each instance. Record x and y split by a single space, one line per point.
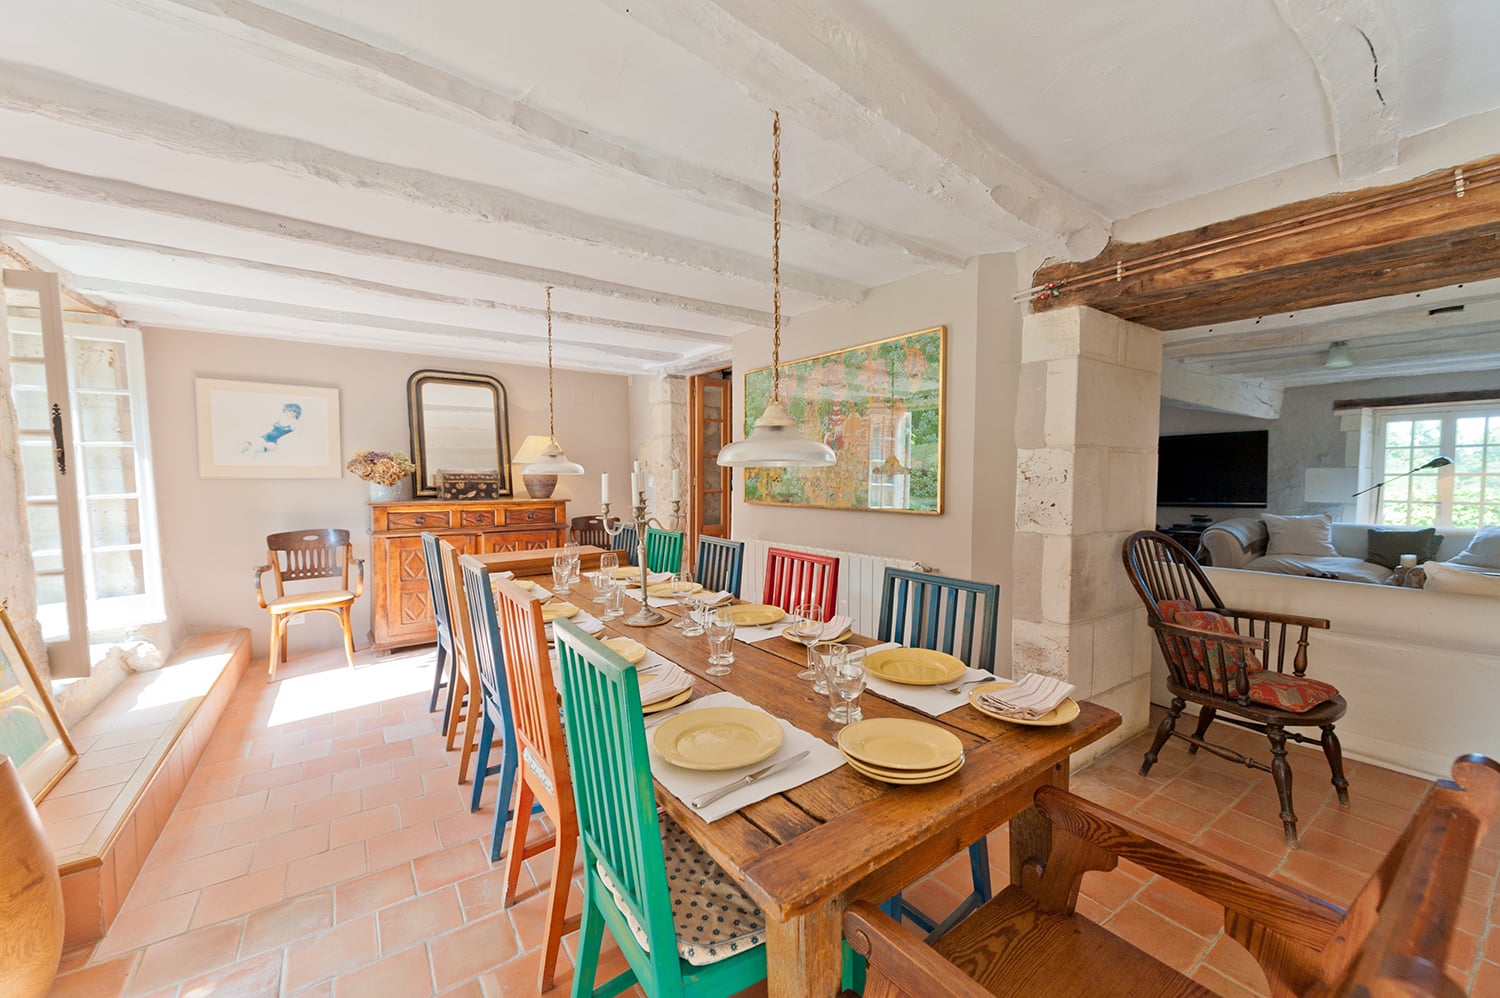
703 800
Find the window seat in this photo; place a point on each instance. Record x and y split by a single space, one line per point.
136 751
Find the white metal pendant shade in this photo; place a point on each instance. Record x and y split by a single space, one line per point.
776 441
552 460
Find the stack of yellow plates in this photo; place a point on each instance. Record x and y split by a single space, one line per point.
717 738
552 611
756 614
915 666
901 751
631 651
668 703
1061 714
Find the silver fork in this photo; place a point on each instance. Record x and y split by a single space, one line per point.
957 688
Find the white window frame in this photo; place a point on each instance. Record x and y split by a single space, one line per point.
1449 416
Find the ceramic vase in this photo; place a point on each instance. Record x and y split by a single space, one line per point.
31 901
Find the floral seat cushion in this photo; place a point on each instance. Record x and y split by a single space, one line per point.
714 919
1288 692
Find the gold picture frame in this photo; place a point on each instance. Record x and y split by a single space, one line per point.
880 406
31 732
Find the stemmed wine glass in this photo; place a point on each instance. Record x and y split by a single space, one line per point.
806 627
608 562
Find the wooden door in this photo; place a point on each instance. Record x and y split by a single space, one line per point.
711 415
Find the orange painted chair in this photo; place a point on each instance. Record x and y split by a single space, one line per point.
465 706
796 578
301 556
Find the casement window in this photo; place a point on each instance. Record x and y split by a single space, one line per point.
79 393
1463 494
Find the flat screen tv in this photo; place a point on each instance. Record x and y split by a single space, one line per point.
1212 469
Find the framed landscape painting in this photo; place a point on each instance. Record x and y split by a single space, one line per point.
31 733
879 406
255 429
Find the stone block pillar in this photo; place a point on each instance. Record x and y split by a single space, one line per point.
1086 431
667 439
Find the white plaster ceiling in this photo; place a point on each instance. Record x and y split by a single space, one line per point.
409 175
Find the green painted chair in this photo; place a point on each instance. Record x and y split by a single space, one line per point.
663 550
625 846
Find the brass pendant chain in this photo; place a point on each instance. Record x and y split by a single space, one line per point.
776 256
551 410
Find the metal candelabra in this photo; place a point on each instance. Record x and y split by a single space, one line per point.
645 616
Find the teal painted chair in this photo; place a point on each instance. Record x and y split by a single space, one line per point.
625 845
958 617
626 543
720 564
663 550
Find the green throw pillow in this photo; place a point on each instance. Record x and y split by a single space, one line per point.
1387 545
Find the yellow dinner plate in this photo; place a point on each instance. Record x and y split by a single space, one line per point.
717 738
627 572
756 614
668 703
908 779
552 611
630 650
525 584
665 589
915 666
1061 714
900 743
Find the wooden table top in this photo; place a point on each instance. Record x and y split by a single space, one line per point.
829 837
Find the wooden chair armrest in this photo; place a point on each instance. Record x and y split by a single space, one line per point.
1282 910
1278 618
902 959
359 577
260 594
1249 641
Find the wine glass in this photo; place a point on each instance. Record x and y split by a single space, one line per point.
806 627
608 562
681 586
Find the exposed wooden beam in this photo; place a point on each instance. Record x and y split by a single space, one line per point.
1355 49
1241 396
805 58
1440 229
1431 398
402 78
119 193
69 237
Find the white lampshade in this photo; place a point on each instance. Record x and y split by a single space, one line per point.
552 461
776 442
531 448
1338 355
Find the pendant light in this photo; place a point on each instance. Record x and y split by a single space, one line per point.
552 461
776 441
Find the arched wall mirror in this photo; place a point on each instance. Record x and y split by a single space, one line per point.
459 423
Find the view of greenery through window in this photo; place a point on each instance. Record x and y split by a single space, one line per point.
1463 494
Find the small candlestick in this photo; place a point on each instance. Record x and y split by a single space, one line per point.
1408 561
604 489
635 484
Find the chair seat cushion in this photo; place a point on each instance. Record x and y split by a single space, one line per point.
713 918
292 602
1288 692
1210 655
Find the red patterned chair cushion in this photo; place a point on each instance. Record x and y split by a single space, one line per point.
1169 608
1289 692
1210 655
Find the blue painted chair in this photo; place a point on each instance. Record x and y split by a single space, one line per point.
627 543
958 617
495 696
720 564
437 592
625 844
663 550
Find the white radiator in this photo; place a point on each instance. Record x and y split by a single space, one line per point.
860 576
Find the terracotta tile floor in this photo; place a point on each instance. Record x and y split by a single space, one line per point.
323 847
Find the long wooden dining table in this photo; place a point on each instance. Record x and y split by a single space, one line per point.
806 853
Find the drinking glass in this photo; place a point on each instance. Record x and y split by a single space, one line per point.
719 625
692 617
682 585
846 681
575 569
819 658
561 577
614 598
806 626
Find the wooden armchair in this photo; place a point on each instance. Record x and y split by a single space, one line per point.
589 530
1393 940
303 555
1232 662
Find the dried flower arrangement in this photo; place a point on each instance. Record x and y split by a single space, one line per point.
381 467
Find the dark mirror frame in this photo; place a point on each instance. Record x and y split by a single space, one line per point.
425 487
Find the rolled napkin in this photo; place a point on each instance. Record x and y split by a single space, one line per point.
1034 696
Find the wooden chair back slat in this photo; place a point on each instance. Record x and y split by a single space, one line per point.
664 550
922 610
480 632
528 675
299 555
437 586
589 530
627 541
720 564
796 578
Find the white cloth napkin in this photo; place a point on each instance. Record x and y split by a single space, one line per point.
661 678
685 784
714 599
1032 697
587 623
833 628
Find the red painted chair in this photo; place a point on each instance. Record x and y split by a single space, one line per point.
796 578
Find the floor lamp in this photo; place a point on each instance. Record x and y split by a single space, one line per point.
1437 462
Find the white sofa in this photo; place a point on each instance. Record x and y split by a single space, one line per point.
1241 543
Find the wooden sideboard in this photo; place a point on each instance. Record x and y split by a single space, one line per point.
401 611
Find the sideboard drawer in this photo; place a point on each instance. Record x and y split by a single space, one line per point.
531 514
409 519
476 518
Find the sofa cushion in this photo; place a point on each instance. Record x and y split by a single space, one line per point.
1304 535
1347 569
1386 545
1483 551
1443 577
1210 656
1289 692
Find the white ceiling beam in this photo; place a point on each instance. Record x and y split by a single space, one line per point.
69 237
122 194
1356 51
32 90
404 79
805 58
123 292
1482 350
39 261
1240 396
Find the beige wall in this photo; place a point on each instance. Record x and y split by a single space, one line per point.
213 530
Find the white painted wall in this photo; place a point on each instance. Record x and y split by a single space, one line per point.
213 530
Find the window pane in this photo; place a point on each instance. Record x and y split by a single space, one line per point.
99 364
31 374
713 404
31 409
1492 514
1398 434
104 417
109 469
1468 488
1495 431
48 562
1426 432
1469 430
1424 488
1421 455
713 438
118 573
712 509
46 531
28 345
1465 515
113 522
1468 460
49 590
36 469
1423 515
710 469
1395 512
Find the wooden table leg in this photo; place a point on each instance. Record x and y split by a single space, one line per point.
804 956
1030 832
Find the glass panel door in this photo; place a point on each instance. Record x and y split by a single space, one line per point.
711 483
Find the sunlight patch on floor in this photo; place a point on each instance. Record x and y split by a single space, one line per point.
339 688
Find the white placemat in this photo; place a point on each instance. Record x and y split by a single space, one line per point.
635 594
750 635
934 701
685 784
